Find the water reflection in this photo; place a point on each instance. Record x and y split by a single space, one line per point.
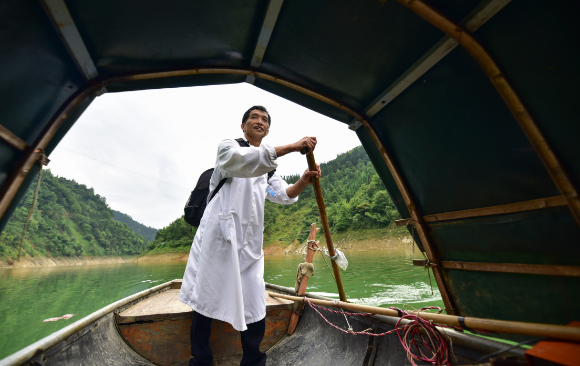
30 295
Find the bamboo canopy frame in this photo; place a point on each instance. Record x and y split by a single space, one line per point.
513 101
484 190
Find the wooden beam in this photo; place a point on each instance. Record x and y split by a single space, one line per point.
510 97
272 12
531 205
473 21
537 269
500 209
12 139
62 20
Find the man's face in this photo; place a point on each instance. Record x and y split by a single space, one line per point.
257 125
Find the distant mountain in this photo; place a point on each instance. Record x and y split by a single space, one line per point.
69 219
145 231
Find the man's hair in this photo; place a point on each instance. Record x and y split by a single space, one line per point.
260 108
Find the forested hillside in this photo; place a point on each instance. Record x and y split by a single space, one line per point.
145 231
355 200
69 219
178 234
354 196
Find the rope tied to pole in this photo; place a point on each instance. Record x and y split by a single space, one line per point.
327 266
428 266
43 160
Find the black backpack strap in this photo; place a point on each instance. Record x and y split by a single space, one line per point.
271 173
219 186
242 143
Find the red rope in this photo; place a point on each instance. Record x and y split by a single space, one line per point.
437 351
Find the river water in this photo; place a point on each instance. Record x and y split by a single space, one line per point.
28 296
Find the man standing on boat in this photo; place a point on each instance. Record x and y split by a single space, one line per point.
224 277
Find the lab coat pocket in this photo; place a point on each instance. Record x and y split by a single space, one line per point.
227 228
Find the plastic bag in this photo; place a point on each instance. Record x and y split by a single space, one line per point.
339 258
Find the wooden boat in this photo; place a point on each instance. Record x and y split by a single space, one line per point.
466 108
152 328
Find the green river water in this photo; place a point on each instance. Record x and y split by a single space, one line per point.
28 296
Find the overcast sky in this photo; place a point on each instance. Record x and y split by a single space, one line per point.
171 135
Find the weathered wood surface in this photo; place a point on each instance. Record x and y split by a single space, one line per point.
158 329
165 305
536 269
531 205
310 251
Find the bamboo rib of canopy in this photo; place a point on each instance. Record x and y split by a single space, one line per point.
527 123
537 204
499 326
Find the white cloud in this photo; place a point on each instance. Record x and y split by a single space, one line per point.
171 135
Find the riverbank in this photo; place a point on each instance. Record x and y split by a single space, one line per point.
346 245
178 254
361 240
350 241
30 262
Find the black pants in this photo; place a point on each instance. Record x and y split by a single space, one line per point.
251 339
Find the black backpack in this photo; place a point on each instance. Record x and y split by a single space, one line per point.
197 201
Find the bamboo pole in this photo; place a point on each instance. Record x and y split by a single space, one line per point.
523 206
310 251
500 326
29 216
12 139
325 226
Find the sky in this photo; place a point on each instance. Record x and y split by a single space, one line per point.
144 151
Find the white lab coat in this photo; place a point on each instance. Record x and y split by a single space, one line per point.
224 277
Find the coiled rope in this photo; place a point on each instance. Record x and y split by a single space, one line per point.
420 338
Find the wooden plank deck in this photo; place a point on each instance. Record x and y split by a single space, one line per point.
166 305
158 329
